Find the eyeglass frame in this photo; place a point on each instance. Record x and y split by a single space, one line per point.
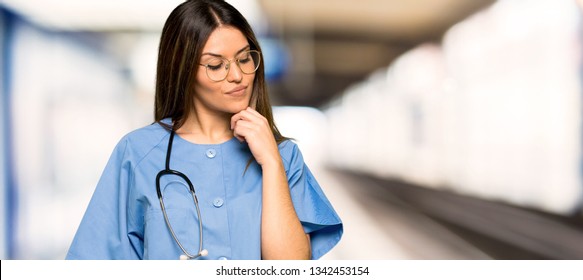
228 65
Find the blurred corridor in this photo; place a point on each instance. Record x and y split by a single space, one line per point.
438 129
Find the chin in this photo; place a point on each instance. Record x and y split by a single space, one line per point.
236 108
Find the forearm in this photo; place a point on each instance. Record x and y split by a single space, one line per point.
282 235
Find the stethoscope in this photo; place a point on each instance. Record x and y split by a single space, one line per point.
186 256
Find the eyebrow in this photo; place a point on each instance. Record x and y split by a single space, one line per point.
218 55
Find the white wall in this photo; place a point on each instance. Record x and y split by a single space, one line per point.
71 104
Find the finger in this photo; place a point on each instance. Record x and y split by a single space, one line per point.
254 113
251 114
240 138
234 119
243 115
243 129
258 117
239 132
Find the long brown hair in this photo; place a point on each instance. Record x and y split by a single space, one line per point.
183 37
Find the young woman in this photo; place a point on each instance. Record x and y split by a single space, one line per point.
212 177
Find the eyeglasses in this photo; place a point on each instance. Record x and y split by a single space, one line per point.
217 68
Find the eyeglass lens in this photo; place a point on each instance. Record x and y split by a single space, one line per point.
218 68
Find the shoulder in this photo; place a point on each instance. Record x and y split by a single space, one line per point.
141 141
290 153
149 134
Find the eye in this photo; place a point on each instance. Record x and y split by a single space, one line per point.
215 64
245 59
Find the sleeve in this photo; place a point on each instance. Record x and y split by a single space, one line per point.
314 210
103 232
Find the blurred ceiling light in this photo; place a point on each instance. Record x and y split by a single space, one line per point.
110 15
101 15
380 18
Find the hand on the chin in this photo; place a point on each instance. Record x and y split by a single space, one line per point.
251 127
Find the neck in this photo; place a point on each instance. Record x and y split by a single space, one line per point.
206 128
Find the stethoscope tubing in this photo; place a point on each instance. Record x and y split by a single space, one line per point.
168 171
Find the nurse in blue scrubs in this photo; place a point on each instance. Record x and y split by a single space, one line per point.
256 197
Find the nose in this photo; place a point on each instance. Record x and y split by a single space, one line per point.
234 73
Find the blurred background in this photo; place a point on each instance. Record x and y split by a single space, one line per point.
438 129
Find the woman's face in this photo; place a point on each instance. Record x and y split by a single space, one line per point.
232 94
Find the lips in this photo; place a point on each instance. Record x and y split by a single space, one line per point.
240 90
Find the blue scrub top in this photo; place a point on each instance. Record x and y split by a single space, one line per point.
124 219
